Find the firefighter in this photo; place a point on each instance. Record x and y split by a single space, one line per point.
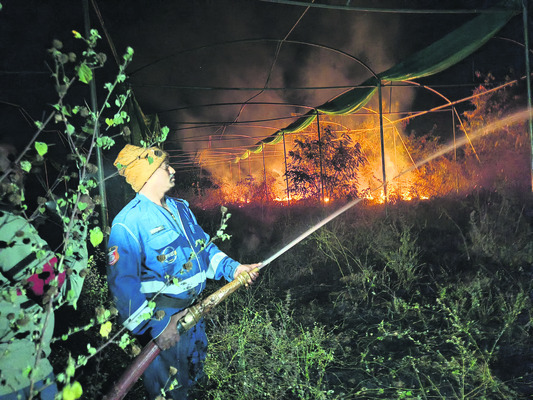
29 282
158 262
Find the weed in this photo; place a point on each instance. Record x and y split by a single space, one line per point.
266 354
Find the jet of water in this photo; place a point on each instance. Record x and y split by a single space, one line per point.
509 120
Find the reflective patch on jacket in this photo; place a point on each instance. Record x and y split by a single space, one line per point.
157 229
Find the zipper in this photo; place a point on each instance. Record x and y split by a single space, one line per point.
182 226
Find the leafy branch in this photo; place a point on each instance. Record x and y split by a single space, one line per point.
82 137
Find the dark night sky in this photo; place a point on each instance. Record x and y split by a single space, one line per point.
161 31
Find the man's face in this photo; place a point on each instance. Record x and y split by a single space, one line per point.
163 177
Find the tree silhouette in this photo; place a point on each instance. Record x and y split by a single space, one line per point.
340 158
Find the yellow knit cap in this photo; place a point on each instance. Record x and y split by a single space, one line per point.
138 164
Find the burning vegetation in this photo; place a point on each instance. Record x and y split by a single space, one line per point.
344 157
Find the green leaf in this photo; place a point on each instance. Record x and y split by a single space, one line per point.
25 165
77 35
70 129
96 236
164 133
72 392
71 368
150 160
109 121
105 141
65 110
82 206
41 254
129 54
71 296
82 360
105 329
124 341
42 148
85 74
95 34
91 350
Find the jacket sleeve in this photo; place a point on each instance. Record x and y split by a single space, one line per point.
219 264
124 278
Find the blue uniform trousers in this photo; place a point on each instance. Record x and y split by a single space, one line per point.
187 356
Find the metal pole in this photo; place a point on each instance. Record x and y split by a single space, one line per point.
528 82
399 189
286 176
320 157
264 171
382 142
200 180
455 152
94 105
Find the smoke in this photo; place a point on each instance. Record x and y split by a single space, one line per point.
207 129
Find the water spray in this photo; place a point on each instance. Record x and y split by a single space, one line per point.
197 311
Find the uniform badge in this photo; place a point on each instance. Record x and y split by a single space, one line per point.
112 255
168 255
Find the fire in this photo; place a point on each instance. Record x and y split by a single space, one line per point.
389 166
401 186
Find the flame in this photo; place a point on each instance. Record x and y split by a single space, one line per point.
400 186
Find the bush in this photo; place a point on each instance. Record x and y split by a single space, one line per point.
265 353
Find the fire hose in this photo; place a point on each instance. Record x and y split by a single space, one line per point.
151 351
197 311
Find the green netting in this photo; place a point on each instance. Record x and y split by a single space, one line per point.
350 101
298 125
449 50
257 149
435 58
245 155
274 140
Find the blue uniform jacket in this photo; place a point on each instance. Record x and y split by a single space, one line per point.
149 245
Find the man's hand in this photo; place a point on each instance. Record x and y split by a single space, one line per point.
170 336
247 268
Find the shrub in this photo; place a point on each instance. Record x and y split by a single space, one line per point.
265 353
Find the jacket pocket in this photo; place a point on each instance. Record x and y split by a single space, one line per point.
163 247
